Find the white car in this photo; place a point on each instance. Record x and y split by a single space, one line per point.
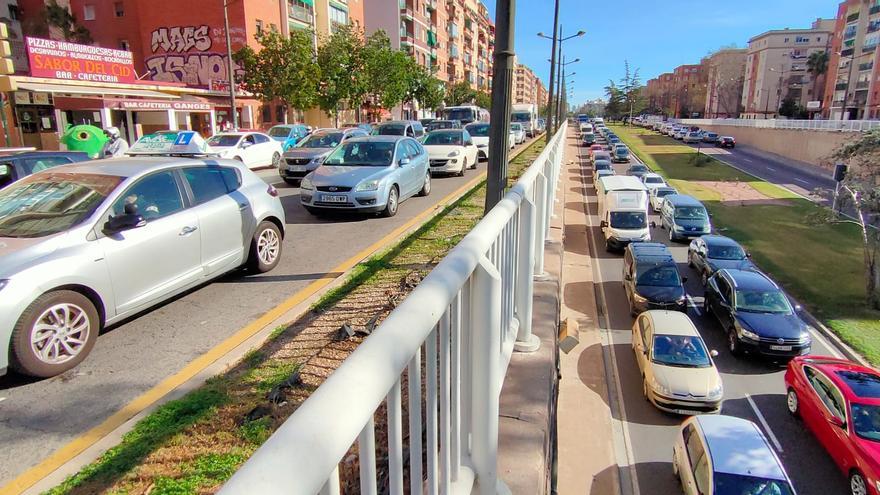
519 132
598 174
451 151
652 180
586 127
677 370
656 196
254 149
693 137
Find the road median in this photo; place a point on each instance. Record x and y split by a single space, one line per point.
820 264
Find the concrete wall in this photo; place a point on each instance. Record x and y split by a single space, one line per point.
807 146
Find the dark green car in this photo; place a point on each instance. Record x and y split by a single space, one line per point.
588 139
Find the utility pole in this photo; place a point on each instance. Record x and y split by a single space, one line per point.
502 81
560 82
550 129
231 68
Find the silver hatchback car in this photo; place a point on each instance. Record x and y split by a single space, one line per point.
86 245
368 175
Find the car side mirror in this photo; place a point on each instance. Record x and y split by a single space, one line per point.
836 422
748 255
120 223
713 353
653 224
403 162
798 308
603 224
5 170
245 144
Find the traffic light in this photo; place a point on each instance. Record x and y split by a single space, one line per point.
839 172
6 66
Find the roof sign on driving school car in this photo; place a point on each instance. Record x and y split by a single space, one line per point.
170 143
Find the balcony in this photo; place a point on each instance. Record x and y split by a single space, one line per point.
840 86
866 49
299 11
867 66
852 17
862 85
874 10
847 52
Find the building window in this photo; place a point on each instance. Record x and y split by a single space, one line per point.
338 15
88 12
259 26
118 9
267 113
123 45
279 113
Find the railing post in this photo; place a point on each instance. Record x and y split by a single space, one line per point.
540 194
525 340
486 375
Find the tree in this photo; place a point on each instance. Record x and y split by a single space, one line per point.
484 100
460 93
631 91
342 69
283 68
615 104
426 89
59 18
817 67
789 107
860 191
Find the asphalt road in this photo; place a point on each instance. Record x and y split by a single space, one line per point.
753 389
39 416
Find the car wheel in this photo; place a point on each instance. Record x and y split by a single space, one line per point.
391 204
276 159
426 186
791 400
671 235
857 485
54 334
733 342
238 158
293 182
464 167
265 247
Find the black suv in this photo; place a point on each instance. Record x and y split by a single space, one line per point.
756 315
710 253
651 279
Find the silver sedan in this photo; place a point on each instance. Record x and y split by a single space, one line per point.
86 245
368 175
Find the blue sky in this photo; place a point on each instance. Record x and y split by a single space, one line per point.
653 35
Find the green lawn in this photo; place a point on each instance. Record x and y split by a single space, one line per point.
821 265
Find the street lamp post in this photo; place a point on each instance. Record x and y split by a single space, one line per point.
843 111
557 40
502 81
229 64
558 102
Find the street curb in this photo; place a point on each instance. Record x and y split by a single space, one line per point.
72 465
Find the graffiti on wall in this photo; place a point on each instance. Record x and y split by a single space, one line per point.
193 55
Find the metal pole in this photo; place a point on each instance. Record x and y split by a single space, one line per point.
502 81
231 69
550 129
559 81
834 202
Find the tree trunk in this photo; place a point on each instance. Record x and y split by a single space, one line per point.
872 286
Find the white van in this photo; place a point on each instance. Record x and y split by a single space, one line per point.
623 211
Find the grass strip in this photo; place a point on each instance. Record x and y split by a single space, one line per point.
820 265
195 443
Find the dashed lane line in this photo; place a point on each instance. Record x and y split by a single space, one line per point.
693 305
764 424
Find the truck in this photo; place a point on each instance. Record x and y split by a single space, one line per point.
527 115
623 211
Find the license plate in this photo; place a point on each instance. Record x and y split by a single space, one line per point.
333 198
780 347
296 168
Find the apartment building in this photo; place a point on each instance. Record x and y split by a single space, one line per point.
851 88
725 71
471 36
525 89
659 93
776 68
688 91
541 94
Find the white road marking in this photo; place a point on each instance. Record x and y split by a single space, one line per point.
764 424
693 305
2 399
802 181
817 335
771 169
747 160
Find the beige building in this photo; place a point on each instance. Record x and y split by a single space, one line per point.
851 89
471 41
525 85
776 68
725 70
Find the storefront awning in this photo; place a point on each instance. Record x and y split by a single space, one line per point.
92 91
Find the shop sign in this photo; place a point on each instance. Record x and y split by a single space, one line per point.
22 98
75 62
170 142
183 106
40 98
222 86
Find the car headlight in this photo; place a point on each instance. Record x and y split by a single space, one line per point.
745 333
803 338
367 185
454 153
716 393
306 184
318 159
677 228
681 300
3 283
659 388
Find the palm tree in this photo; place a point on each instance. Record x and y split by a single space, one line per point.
817 63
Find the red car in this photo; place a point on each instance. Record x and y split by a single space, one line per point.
840 402
596 147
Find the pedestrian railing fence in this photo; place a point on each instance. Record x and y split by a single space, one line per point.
809 125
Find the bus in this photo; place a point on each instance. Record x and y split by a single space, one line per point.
466 114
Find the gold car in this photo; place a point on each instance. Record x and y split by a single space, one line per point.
678 373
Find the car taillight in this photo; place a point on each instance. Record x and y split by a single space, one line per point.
272 191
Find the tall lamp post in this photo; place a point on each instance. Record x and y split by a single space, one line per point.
502 82
560 88
843 111
556 39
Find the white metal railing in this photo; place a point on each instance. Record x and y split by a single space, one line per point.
447 347
810 125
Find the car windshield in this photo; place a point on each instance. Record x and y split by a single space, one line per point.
712 135
280 131
653 180
603 165
479 130
629 220
443 139
390 130
516 127
690 213
762 301
224 140
663 192
638 168
330 140
52 202
441 124
362 154
460 114
521 117
866 421
737 484
659 276
726 252
680 350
